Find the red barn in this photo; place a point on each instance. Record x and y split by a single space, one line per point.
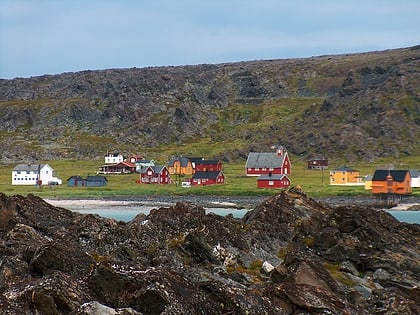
207 178
208 165
156 174
265 163
273 181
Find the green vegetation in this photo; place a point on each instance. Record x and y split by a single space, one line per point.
314 182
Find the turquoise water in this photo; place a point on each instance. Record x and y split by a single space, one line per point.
127 213
406 216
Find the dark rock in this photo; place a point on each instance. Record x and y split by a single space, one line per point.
289 255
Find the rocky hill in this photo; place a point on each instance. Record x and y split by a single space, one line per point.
290 255
357 106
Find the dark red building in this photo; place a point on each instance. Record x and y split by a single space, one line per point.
207 178
273 181
207 166
156 174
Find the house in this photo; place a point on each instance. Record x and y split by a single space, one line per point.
119 168
345 175
113 158
368 182
415 178
179 165
34 174
90 181
264 163
155 174
207 165
207 178
318 163
273 181
394 182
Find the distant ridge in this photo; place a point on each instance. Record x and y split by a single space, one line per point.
355 106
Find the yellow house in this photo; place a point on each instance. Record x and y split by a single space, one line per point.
345 175
180 166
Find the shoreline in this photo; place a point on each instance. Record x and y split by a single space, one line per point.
218 202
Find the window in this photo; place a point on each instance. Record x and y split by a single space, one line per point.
270 183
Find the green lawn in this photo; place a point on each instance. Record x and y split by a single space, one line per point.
313 182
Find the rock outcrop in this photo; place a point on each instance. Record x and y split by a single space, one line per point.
289 255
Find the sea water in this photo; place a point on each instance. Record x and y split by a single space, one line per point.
126 211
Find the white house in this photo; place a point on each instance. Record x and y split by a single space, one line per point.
415 178
113 158
33 174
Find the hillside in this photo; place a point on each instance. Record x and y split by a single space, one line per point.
355 106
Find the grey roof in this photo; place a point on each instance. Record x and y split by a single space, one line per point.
207 162
414 173
264 160
183 161
96 178
345 168
156 169
29 167
272 177
208 175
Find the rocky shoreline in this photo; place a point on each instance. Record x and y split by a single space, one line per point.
289 255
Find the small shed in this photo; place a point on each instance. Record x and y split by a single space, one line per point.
75 181
273 181
96 181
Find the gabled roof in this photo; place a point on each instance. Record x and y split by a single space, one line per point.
182 160
345 168
397 175
156 169
272 177
265 160
206 175
76 177
96 178
207 162
30 167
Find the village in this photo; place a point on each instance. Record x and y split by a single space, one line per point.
272 170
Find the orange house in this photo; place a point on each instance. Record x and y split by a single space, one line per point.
396 182
345 175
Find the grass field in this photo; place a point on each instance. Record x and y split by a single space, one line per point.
313 182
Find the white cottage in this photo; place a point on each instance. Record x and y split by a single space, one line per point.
33 174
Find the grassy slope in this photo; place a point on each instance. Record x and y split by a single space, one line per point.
314 182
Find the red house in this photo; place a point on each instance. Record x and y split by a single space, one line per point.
265 163
207 166
156 174
273 181
318 163
207 178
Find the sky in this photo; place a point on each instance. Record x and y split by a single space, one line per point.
40 37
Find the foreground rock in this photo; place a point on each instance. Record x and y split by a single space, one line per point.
290 255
